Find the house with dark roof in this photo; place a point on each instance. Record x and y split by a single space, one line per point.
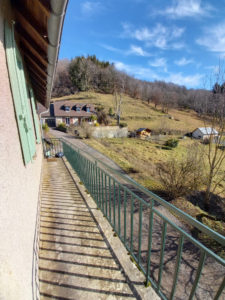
67 112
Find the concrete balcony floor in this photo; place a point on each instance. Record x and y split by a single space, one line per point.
79 258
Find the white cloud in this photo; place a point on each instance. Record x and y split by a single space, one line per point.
189 81
110 48
159 36
178 45
134 50
137 71
137 51
183 61
186 8
89 8
159 62
214 38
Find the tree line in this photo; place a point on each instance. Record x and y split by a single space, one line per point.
89 73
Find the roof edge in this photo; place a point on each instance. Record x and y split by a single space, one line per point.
55 25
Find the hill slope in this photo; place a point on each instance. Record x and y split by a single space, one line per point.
137 113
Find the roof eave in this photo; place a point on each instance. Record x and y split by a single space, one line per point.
55 25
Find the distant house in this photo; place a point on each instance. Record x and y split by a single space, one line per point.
67 112
143 132
204 133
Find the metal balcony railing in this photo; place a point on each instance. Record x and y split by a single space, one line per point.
177 265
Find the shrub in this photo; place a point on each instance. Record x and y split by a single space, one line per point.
62 127
45 127
111 114
102 117
172 143
100 107
85 130
93 118
166 148
123 125
180 177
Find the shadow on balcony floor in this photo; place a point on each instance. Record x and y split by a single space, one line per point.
75 258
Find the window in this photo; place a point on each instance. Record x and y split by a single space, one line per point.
67 121
20 96
67 108
77 108
87 109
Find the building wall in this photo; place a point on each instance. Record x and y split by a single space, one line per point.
58 121
197 134
109 132
19 192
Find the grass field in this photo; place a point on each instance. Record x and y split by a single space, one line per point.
139 158
137 113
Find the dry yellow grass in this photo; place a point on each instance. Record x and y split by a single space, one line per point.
139 158
137 113
138 155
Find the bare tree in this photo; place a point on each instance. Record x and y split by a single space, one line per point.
215 153
180 177
117 106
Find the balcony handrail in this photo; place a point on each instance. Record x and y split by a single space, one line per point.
125 211
189 219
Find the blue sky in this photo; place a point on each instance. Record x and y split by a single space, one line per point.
179 41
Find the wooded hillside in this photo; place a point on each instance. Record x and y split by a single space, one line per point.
89 73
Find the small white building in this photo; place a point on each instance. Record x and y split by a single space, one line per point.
204 133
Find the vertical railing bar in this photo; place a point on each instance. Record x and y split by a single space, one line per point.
163 239
96 183
125 216
110 195
91 191
106 196
99 189
131 223
150 230
220 290
140 233
119 206
102 192
114 204
179 255
89 172
93 180
198 274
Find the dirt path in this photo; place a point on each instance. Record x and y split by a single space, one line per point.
82 146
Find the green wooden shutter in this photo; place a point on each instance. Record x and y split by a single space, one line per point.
25 99
20 96
35 117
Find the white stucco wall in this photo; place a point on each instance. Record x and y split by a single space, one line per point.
109 132
19 190
58 121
